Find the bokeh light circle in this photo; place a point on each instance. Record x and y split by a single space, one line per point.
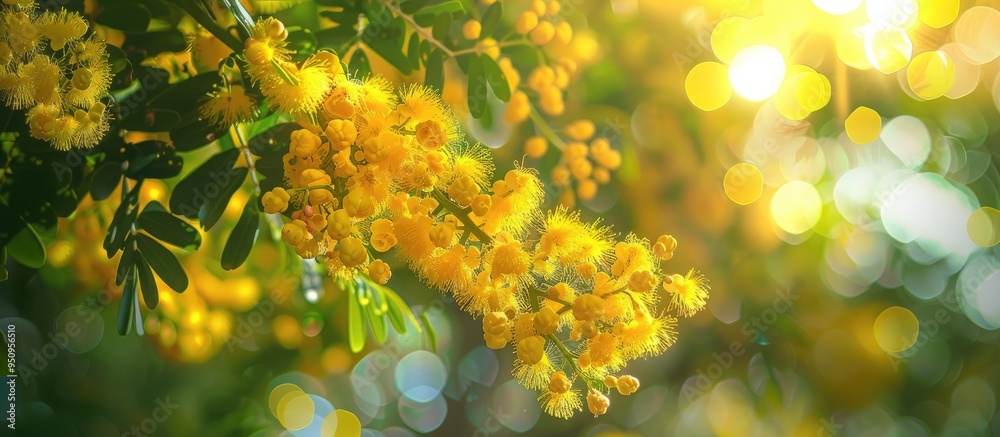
707 86
901 14
966 72
420 376
984 226
938 13
423 417
295 410
931 74
864 125
837 7
896 329
725 39
977 33
888 49
796 207
756 72
743 183
908 138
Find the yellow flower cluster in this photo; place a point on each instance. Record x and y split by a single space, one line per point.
377 169
586 165
50 69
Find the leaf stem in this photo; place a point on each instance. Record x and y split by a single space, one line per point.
463 216
416 27
547 130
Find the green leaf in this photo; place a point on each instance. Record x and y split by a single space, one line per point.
125 306
380 327
448 8
26 248
204 183
355 323
121 223
388 43
434 77
155 43
116 57
302 42
150 292
411 6
169 228
211 211
413 50
106 179
125 263
477 87
429 328
496 78
491 18
243 237
397 310
153 159
163 262
127 16
360 67
441 27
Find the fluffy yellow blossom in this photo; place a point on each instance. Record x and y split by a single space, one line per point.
377 171
227 106
688 293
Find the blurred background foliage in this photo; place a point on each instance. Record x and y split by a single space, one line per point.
839 329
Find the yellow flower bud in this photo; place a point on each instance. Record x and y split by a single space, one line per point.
598 403
560 175
541 78
586 189
442 235
304 143
471 29
307 249
82 78
581 169
526 22
379 271
627 385
518 108
276 29
531 349
642 281
358 204
588 307
610 160
551 101
336 106
536 147
339 225
463 190
538 7
559 383
481 204
352 252
341 133
431 134
580 130
602 176
563 32
543 33
590 329
546 321
258 52
665 247
587 270
275 201
375 150
610 381
552 8
293 233
496 323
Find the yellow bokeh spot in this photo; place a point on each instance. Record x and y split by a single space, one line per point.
793 15
802 93
287 331
336 360
707 86
341 423
295 410
896 329
796 207
725 38
931 74
757 72
888 50
984 227
937 13
977 33
837 7
743 183
863 125
851 50
279 392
